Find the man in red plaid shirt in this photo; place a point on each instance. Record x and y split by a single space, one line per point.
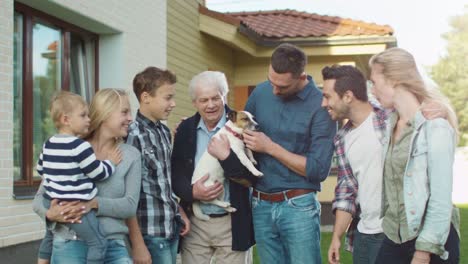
358 147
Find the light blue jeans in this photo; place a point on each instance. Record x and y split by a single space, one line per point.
75 251
288 231
89 230
162 250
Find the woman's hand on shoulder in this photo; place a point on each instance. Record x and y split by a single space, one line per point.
176 126
433 109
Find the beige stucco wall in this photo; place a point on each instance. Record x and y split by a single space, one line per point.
251 71
132 35
190 52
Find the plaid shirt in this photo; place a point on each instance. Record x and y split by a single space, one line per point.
346 189
157 208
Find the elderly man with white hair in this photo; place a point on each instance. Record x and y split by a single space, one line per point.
227 237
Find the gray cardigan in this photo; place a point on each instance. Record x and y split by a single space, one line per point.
117 198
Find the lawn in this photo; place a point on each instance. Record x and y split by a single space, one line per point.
346 257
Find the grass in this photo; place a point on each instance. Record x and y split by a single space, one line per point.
346 257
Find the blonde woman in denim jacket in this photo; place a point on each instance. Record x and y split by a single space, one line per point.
417 205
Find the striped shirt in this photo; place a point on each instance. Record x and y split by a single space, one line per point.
70 168
157 208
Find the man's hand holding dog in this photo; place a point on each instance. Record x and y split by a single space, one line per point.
219 147
204 193
258 141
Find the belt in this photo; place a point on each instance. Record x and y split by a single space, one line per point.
280 196
217 215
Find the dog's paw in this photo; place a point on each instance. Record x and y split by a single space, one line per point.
254 162
258 174
230 209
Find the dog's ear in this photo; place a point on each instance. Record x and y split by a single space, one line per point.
232 116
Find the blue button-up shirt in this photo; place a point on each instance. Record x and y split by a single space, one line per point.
301 126
203 138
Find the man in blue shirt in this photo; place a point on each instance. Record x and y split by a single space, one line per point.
294 151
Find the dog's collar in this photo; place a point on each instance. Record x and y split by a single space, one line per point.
237 135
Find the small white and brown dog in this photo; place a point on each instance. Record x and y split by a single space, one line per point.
237 122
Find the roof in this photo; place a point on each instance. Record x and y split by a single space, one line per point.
294 24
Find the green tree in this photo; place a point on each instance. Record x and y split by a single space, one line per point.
451 72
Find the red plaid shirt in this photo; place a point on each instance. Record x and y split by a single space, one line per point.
346 189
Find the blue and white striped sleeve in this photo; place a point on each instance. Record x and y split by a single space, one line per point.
39 167
93 168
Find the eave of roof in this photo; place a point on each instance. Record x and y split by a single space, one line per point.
238 34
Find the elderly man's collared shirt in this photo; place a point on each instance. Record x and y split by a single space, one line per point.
203 138
157 207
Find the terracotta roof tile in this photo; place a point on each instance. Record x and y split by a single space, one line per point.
291 24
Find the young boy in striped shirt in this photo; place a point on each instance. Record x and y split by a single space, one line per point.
69 169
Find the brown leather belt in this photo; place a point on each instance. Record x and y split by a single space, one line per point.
217 215
280 196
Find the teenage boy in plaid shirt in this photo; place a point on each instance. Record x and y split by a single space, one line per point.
154 233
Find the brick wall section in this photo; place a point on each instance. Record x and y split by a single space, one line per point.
142 42
6 111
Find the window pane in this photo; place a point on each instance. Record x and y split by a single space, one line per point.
46 81
82 66
17 94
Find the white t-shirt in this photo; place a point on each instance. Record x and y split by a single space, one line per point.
364 152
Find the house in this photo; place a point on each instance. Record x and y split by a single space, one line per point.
82 46
240 44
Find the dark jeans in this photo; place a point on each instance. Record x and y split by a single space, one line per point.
88 230
391 252
366 247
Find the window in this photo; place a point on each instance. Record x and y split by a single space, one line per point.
49 55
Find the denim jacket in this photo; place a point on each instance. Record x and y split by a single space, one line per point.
427 183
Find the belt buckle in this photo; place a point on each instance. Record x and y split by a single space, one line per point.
258 194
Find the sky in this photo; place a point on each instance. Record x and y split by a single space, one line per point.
417 24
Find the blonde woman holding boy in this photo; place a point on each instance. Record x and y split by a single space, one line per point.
69 169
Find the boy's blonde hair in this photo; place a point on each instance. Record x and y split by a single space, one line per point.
103 104
64 103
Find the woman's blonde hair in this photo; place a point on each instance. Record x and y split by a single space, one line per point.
399 67
104 102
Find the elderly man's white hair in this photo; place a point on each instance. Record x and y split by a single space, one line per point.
209 78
